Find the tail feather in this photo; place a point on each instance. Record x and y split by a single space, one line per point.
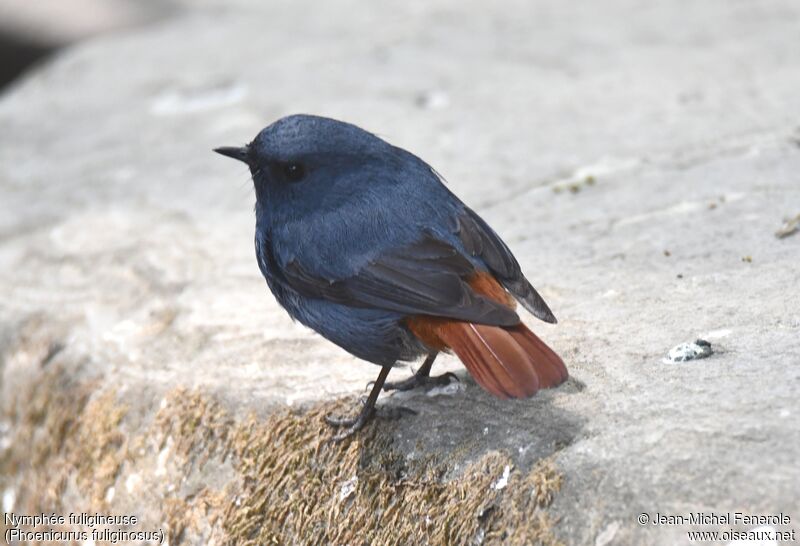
492 357
549 366
471 350
507 362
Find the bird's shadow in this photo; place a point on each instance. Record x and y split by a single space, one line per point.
464 425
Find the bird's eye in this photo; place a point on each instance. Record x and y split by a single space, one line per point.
294 171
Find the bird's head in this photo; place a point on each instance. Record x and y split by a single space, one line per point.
302 162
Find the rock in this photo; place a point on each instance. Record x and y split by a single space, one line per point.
689 351
790 227
57 23
31 31
147 371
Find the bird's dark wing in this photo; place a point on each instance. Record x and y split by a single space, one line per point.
481 241
428 277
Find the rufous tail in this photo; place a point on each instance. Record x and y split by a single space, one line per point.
509 362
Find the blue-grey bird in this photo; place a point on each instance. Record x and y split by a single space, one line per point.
362 242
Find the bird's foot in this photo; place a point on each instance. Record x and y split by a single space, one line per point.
419 380
351 424
354 424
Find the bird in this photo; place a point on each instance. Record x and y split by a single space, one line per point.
363 242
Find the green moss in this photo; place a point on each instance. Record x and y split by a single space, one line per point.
299 488
288 483
63 434
574 186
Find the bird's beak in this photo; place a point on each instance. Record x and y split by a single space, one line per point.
242 154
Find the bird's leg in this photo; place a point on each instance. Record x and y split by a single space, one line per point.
354 424
421 377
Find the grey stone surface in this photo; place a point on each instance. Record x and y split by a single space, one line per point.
58 22
638 159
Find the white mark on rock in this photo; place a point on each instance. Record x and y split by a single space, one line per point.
684 207
790 227
9 498
132 482
454 387
348 488
785 413
502 482
606 166
717 334
764 530
185 101
689 351
163 455
433 100
123 174
485 431
607 535
5 435
110 492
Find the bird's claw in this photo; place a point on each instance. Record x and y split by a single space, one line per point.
420 380
354 424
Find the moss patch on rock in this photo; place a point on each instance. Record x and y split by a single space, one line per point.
207 474
66 443
299 488
63 430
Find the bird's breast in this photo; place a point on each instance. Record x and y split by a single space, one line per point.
287 297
